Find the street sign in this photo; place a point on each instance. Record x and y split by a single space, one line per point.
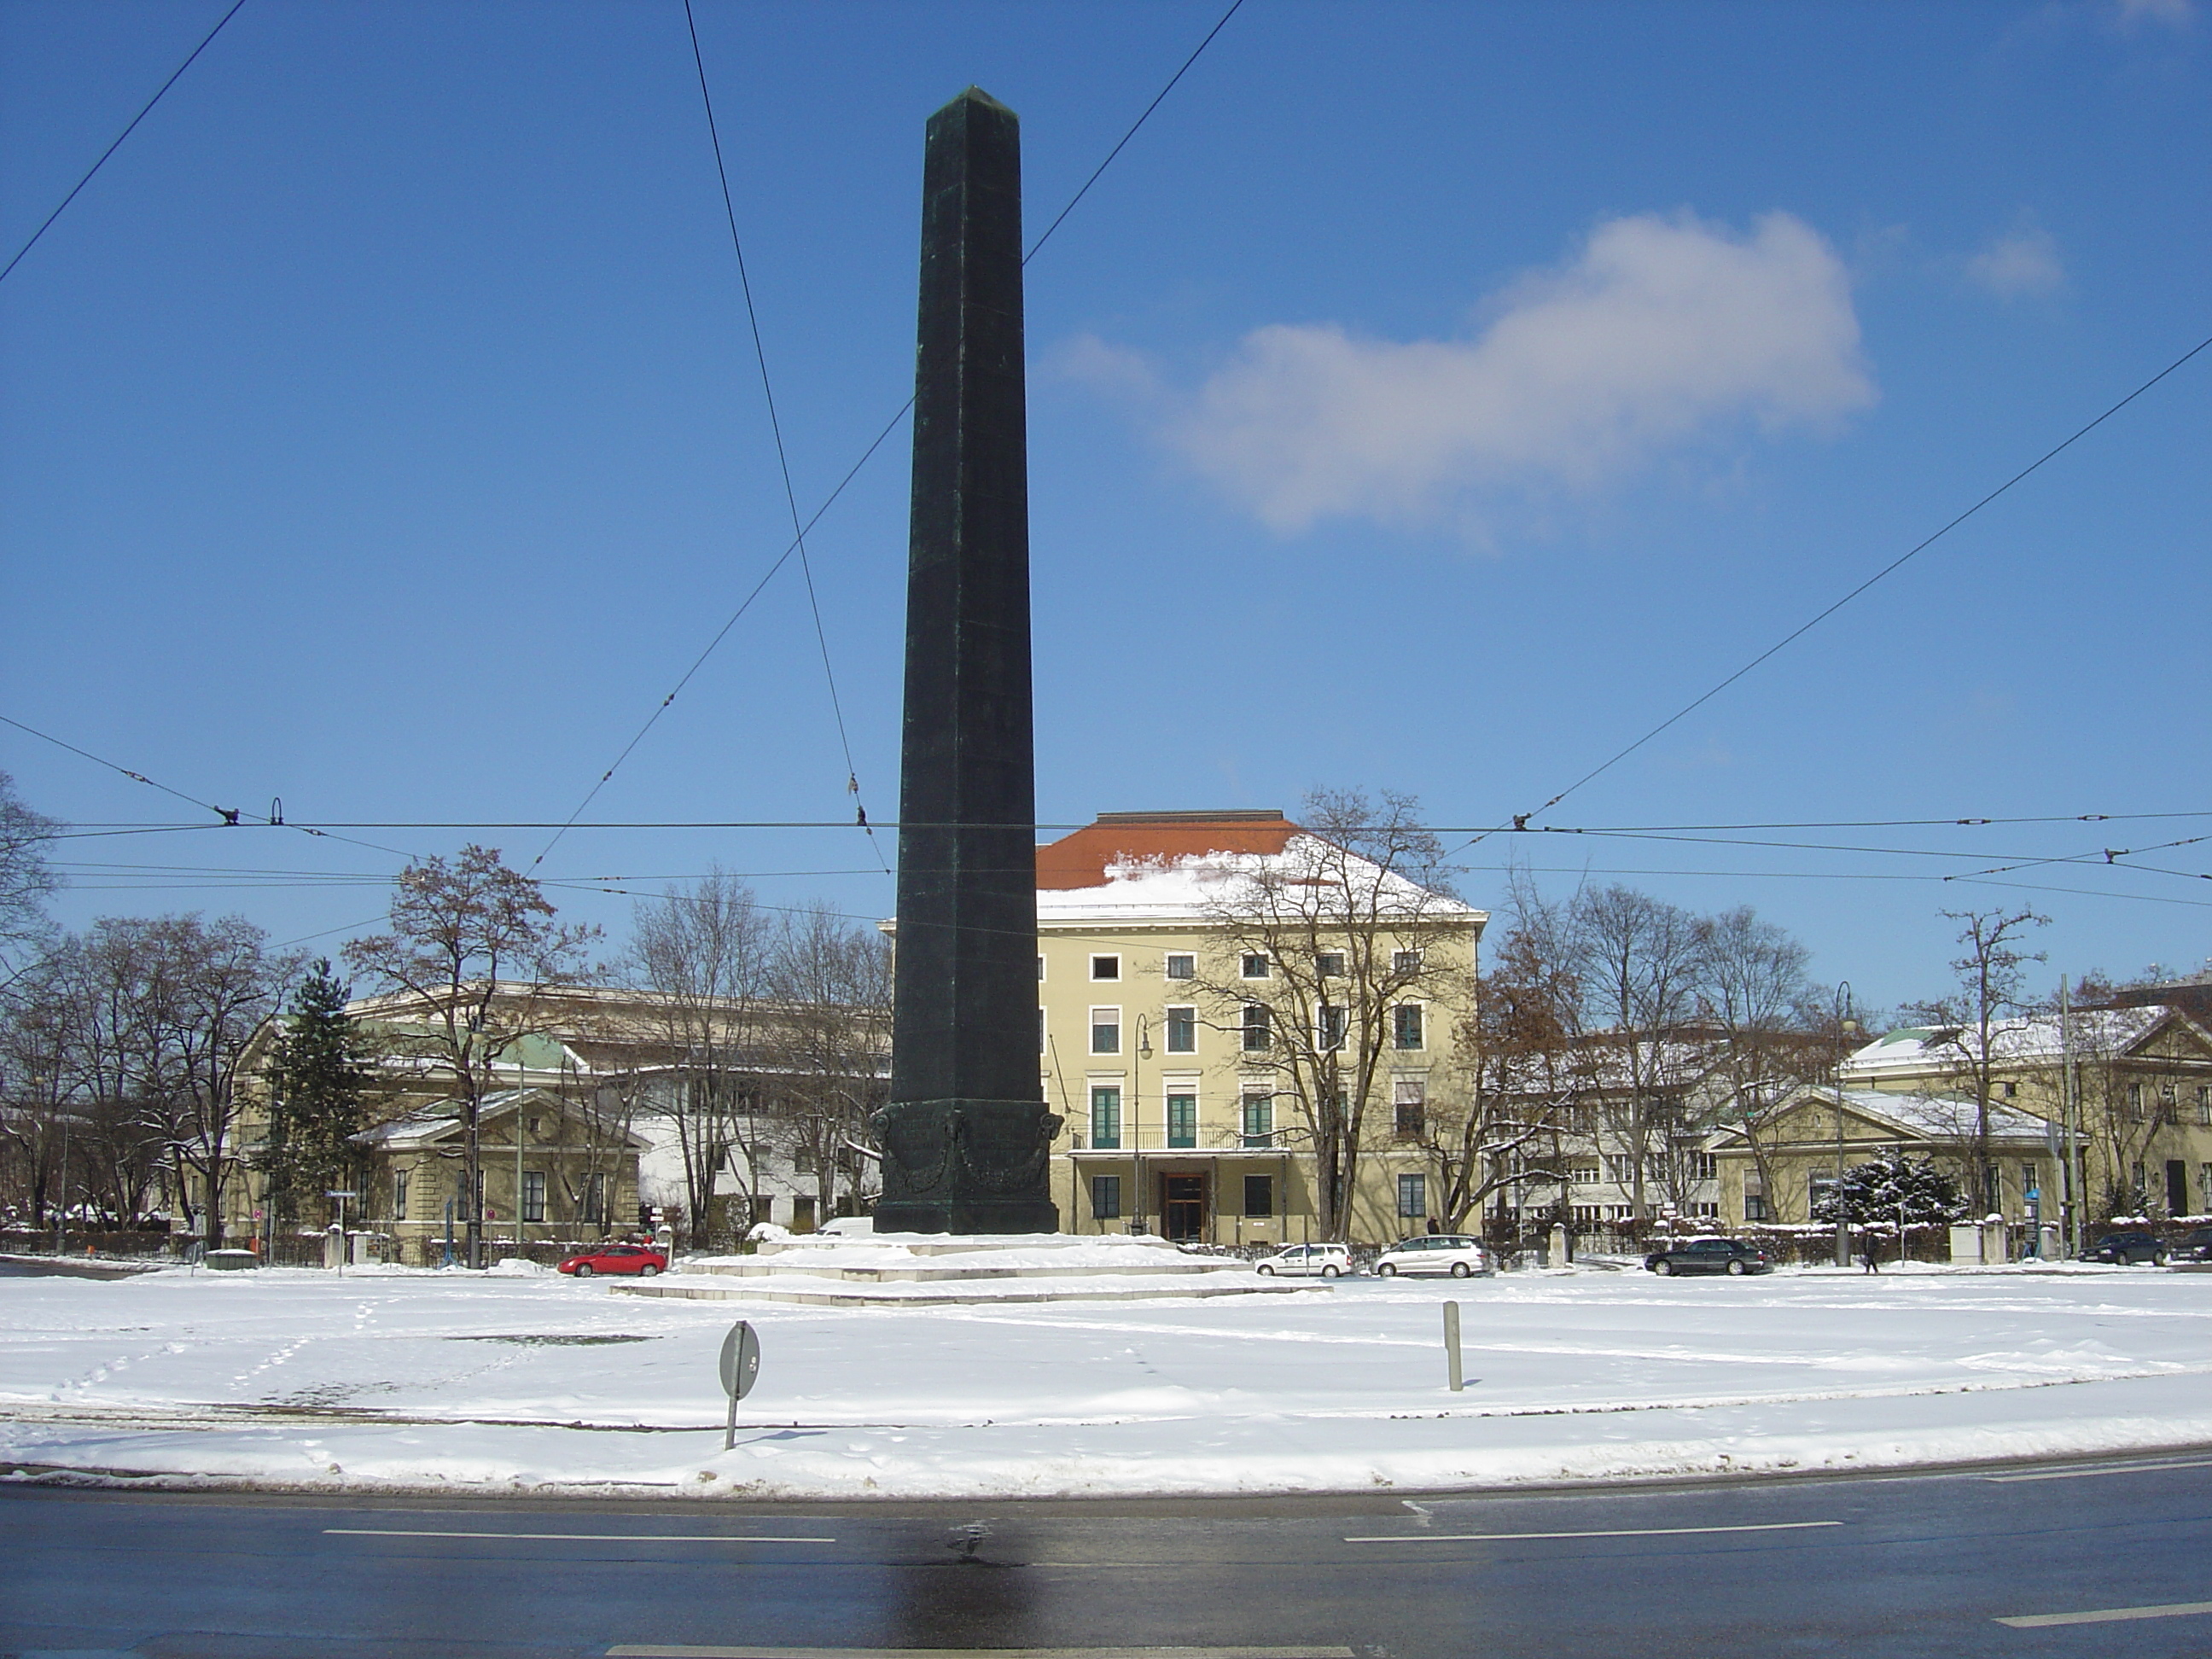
740 1367
338 1192
740 1360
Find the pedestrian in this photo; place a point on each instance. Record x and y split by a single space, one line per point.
1873 1261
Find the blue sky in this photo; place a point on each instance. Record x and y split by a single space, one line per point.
1432 398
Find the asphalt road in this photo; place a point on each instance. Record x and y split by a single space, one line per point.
1915 1566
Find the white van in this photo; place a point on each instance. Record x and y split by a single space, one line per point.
1308 1261
1437 1253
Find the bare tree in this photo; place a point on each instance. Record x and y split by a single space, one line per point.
831 1041
1638 958
471 952
703 954
26 882
1524 1078
1318 950
1769 1013
1992 978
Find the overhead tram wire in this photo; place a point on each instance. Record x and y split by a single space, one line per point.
1521 819
228 818
145 111
783 458
796 544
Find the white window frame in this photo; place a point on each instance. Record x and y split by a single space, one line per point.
1114 978
1189 958
1097 1024
1168 1023
1421 1014
1244 966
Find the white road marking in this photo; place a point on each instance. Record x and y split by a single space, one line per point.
678 1651
1611 1532
2105 1616
2080 1474
578 1537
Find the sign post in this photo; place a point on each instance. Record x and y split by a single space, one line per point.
341 1195
740 1369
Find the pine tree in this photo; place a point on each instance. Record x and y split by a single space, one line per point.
321 1067
1877 1192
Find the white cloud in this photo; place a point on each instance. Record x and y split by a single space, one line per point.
1658 333
2174 13
2022 262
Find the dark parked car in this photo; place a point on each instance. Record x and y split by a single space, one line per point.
1710 1255
2197 1247
2127 1248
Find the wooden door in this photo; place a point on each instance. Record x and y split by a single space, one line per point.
1183 1207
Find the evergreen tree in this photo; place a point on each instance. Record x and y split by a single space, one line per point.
320 1070
1877 1192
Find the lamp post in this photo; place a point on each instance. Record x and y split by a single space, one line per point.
1133 1118
1845 1026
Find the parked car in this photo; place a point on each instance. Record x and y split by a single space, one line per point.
1437 1253
1710 1255
2125 1249
615 1258
1309 1261
2197 1247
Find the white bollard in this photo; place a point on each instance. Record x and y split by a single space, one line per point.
1451 1348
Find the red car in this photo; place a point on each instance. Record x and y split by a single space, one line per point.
616 1259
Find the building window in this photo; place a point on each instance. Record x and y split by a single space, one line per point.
764 1207
399 1194
1258 1119
1328 1027
1255 966
1044 1040
1182 1120
1405 962
1183 1030
2136 1103
1181 966
1105 1030
595 1197
2204 1102
1755 1206
2011 1091
1621 1171
1106 1119
2169 1103
1406 1025
1105 967
1257 1038
1704 1212
1413 1195
1329 964
1040 969
2031 1179
2204 1182
1259 1196
533 1194
1704 1166
1409 1109
1105 1198
2141 1190
1585 1174
802 1214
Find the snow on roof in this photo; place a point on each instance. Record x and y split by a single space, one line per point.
427 1124
2034 1038
1932 1116
1171 866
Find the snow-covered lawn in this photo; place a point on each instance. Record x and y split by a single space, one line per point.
474 1381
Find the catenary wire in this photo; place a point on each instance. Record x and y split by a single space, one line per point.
1804 627
890 426
146 110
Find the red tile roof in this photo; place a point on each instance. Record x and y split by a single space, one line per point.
1080 860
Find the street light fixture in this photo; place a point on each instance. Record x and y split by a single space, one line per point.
1133 1116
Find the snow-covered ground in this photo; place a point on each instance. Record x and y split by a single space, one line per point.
497 1381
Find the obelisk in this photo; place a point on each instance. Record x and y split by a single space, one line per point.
966 1139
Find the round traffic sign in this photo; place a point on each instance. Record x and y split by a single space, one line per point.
740 1360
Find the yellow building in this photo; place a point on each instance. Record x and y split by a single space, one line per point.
1232 1011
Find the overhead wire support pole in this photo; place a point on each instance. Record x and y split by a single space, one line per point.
145 111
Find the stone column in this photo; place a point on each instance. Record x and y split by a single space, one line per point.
967 1140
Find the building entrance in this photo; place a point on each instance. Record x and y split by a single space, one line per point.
1183 1207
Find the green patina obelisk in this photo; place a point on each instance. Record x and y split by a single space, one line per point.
966 1138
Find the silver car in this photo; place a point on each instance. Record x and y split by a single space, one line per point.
1308 1261
1455 1254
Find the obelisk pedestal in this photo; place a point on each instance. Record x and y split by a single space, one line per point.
966 1139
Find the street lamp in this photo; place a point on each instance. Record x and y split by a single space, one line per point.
1133 1118
1845 1026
